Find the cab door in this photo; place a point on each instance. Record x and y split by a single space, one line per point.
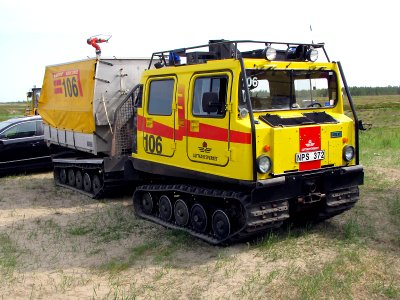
208 118
159 111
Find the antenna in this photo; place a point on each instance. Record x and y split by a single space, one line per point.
312 40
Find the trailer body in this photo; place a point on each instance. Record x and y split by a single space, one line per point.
79 99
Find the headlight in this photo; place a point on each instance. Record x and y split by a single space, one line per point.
348 153
312 55
264 164
270 53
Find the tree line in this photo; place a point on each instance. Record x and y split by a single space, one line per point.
374 91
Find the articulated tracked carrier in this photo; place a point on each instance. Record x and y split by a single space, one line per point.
78 104
224 140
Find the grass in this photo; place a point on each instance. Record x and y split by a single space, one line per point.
8 255
374 102
136 253
389 290
111 224
80 230
282 244
380 145
334 280
355 255
351 230
394 209
10 110
358 231
159 251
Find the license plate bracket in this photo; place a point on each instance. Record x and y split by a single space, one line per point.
310 156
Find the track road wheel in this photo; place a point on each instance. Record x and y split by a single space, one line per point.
87 183
78 180
165 208
62 176
199 218
71 177
220 224
97 185
181 213
147 203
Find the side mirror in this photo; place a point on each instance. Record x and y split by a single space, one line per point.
210 102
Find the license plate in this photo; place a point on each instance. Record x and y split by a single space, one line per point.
310 156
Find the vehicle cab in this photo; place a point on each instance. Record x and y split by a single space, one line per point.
245 115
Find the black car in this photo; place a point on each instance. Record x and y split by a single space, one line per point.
22 146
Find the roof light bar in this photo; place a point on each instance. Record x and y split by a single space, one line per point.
270 53
312 55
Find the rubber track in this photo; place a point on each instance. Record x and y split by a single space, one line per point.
201 192
85 167
91 195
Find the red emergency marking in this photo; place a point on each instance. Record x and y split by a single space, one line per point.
182 123
157 128
207 132
68 82
58 90
310 140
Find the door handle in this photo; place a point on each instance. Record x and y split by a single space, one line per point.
194 126
149 122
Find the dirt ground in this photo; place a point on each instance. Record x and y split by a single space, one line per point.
57 244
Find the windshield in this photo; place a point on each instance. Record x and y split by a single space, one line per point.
4 124
291 89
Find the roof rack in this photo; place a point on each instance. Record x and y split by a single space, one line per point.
224 49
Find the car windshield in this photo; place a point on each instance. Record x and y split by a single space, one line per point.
5 124
291 89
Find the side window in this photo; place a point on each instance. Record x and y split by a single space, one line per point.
209 98
160 97
39 128
137 97
22 130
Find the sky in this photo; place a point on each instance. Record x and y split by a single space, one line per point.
363 35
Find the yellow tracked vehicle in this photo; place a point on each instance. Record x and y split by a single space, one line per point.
231 139
32 100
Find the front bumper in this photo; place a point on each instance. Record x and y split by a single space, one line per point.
326 192
323 181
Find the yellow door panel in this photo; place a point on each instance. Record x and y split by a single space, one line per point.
208 132
159 116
